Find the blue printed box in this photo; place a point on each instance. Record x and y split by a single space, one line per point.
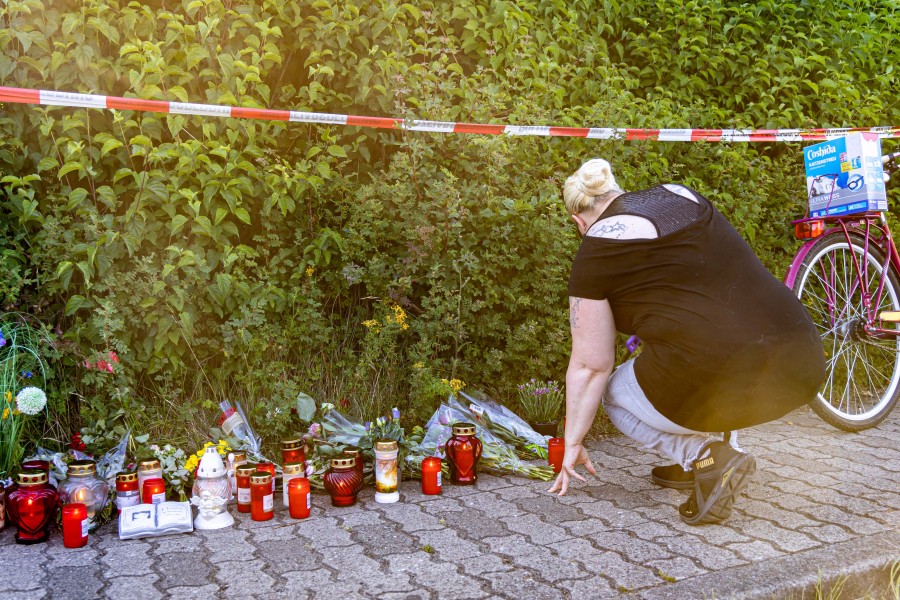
845 175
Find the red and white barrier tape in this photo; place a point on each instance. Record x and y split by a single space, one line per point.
54 98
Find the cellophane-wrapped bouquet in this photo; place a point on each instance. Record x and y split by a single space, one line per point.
500 421
497 456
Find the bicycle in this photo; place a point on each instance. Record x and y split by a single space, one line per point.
847 274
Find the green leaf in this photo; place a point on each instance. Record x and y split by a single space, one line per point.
74 303
242 214
306 407
109 146
337 151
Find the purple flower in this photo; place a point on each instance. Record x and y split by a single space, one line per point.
2 340
315 429
368 425
395 413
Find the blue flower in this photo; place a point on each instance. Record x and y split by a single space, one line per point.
2 340
395 413
368 425
27 374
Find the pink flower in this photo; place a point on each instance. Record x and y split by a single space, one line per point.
109 367
87 364
113 356
315 430
101 365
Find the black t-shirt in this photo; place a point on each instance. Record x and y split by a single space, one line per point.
726 344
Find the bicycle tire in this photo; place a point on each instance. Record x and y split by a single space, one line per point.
862 381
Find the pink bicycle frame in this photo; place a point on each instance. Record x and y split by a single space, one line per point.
873 228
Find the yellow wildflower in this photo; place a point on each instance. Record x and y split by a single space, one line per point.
457 384
405 326
17 412
5 413
419 365
8 396
310 271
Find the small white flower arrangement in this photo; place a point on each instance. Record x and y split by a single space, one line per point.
31 400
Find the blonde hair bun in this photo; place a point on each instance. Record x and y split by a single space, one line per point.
593 179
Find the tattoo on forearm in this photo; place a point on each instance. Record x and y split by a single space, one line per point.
573 312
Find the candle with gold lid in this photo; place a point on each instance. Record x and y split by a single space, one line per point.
290 471
262 499
342 481
243 486
293 451
127 491
148 469
32 507
463 451
360 461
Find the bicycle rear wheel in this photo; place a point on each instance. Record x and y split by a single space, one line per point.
862 381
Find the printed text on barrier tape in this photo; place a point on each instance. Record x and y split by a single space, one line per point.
55 98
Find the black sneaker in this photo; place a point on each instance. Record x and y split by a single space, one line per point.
720 474
672 476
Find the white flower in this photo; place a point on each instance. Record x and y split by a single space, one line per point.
31 400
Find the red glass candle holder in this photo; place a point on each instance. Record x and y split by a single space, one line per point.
262 498
299 500
463 452
431 475
74 525
556 450
360 461
268 468
342 481
293 451
32 507
242 475
154 491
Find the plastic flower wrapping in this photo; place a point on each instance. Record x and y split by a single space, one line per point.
234 424
497 456
502 422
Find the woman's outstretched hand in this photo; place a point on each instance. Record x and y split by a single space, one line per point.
575 455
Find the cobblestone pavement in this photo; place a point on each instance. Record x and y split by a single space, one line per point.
822 500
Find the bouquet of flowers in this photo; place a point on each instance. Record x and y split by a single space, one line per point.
501 421
235 425
497 456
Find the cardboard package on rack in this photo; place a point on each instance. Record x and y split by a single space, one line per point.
845 175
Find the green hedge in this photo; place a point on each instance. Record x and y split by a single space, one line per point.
222 257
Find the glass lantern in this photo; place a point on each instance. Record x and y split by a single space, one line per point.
83 486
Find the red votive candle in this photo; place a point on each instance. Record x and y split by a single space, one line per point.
154 491
268 468
74 525
262 498
292 451
242 474
431 475
556 450
299 501
127 492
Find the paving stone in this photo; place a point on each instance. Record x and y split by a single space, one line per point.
319 584
192 593
536 558
440 576
234 582
591 588
622 573
226 544
476 523
675 568
537 531
73 557
709 556
755 550
183 568
386 538
413 518
133 588
73 583
521 584
491 504
282 556
176 543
